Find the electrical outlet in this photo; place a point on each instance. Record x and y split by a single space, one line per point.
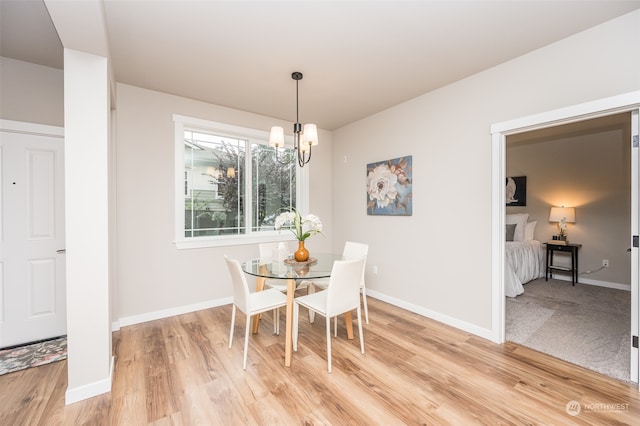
605 263
375 270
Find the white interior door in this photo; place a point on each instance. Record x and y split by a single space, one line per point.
32 260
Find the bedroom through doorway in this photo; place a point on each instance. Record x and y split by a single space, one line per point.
585 165
570 141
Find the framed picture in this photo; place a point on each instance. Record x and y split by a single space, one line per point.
516 191
390 187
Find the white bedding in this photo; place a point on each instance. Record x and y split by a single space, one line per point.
523 262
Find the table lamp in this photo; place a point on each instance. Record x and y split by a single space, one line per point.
562 215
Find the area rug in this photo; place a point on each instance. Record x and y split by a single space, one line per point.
583 324
33 355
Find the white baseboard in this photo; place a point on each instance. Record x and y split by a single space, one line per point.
437 316
598 283
166 313
445 319
91 389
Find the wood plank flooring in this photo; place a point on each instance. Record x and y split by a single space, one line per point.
415 371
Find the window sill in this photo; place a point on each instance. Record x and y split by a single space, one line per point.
208 242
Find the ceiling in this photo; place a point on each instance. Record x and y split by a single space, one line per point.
357 57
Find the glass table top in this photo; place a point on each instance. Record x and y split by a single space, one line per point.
281 269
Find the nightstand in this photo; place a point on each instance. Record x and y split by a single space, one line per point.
570 248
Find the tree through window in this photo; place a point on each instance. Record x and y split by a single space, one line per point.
232 184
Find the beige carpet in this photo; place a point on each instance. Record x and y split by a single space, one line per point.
585 325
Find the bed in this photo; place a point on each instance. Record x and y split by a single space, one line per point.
524 255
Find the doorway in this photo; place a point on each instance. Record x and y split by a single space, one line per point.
623 103
584 165
32 259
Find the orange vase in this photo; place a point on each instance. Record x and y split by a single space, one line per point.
302 254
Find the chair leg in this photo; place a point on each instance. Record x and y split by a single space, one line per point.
233 320
364 302
310 290
328 326
296 312
246 342
335 326
360 330
277 315
275 321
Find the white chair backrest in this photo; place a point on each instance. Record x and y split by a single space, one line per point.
240 286
268 250
343 293
356 250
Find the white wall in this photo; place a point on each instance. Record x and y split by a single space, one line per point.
31 93
438 261
154 278
87 231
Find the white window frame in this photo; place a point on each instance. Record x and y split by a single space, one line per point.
182 123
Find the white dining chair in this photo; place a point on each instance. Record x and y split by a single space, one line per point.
351 250
341 296
251 303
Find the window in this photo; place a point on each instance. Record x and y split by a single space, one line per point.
229 185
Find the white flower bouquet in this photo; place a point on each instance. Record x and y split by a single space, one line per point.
301 226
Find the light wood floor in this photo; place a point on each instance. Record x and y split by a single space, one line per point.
179 371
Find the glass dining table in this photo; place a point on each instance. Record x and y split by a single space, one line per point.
318 266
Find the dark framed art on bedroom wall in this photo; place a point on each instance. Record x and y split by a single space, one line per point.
516 191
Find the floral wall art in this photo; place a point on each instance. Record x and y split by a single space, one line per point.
389 187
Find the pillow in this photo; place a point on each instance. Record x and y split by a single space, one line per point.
520 220
529 229
511 229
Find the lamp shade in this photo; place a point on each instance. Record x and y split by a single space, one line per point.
559 213
309 135
276 137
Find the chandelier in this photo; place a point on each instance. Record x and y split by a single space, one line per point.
303 140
